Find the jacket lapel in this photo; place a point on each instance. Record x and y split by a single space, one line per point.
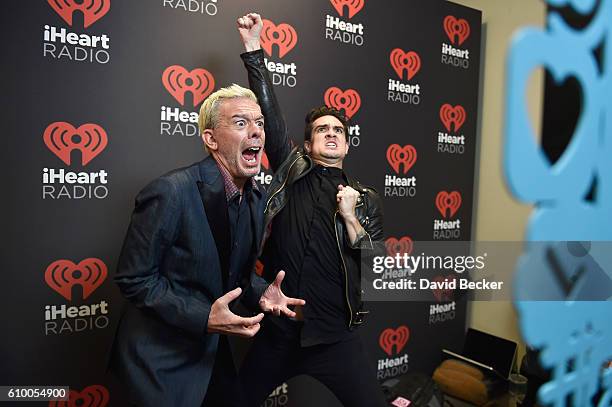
212 192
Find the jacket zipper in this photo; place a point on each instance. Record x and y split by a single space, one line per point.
348 302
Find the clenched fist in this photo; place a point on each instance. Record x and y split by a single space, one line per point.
249 27
347 200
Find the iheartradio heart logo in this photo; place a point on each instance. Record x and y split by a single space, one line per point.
259 267
394 337
177 80
443 294
283 35
448 201
61 138
349 100
62 275
91 396
264 161
398 155
456 28
452 115
399 246
92 10
409 61
353 6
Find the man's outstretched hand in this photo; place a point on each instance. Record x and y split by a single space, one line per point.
273 300
223 321
249 27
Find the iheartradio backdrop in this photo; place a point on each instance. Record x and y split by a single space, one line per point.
104 98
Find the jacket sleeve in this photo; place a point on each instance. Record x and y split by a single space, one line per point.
373 237
154 223
255 289
278 145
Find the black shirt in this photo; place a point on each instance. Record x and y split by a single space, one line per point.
303 243
241 235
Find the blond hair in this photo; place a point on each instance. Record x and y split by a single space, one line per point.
209 111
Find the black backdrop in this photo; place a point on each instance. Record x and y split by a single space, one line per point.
61 250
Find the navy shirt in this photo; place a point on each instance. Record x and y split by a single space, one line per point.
240 221
241 236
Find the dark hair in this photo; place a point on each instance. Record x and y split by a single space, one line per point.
321 111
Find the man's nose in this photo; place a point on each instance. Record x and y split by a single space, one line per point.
255 131
330 134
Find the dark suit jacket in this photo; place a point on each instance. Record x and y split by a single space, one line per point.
171 269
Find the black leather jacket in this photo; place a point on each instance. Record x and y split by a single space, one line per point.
289 165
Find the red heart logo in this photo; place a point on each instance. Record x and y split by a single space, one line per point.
349 100
399 246
443 294
264 161
283 35
62 275
178 81
452 115
61 138
394 337
450 201
92 10
397 155
409 61
456 27
91 396
354 6
259 267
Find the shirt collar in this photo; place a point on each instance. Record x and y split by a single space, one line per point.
330 171
231 189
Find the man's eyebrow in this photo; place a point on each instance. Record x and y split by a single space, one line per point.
244 116
321 126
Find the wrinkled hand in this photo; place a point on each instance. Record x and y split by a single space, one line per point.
273 300
347 199
249 27
223 321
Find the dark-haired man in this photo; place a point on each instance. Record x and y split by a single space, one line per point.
320 221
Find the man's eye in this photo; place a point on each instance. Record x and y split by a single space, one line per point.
260 123
340 130
321 129
240 123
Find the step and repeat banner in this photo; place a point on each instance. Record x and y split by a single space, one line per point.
103 97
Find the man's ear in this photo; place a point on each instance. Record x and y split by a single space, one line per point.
208 137
307 146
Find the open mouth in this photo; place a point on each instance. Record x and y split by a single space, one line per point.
250 155
331 144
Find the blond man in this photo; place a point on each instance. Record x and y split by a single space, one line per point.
188 254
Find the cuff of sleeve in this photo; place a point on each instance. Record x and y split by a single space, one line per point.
253 57
363 241
205 315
